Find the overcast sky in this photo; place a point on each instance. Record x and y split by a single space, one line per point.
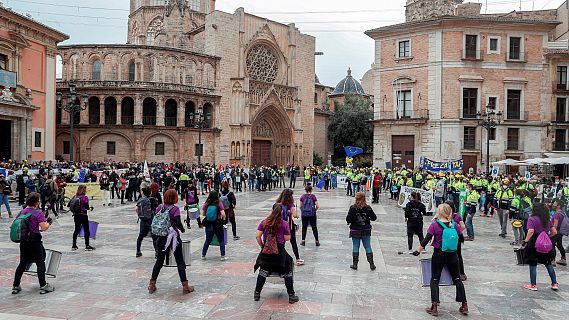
338 25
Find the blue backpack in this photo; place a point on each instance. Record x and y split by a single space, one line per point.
285 212
211 213
450 237
308 209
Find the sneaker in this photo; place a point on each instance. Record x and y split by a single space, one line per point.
463 277
203 257
531 287
555 287
74 248
89 248
299 262
16 289
223 258
139 254
302 243
468 238
236 238
256 296
318 243
292 298
46 289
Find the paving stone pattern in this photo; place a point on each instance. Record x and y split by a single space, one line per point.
110 283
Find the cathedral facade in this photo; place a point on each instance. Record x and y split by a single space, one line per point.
250 80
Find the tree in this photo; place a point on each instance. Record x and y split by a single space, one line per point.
317 160
349 125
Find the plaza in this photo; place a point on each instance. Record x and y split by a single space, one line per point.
110 282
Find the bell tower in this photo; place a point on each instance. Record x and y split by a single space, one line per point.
427 9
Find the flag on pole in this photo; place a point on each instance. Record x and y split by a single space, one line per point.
146 170
320 184
353 151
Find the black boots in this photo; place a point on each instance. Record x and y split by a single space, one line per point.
370 260
356 258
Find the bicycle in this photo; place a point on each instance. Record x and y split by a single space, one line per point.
62 201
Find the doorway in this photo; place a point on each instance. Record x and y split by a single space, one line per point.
261 153
6 141
470 162
403 151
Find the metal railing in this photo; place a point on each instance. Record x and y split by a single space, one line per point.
559 87
513 145
94 120
110 119
137 85
170 121
471 54
516 116
560 146
149 121
421 114
516 56
127 120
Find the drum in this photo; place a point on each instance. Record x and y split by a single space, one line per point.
193 212
93 226
425 268
186 251
520 255
52 260
215 240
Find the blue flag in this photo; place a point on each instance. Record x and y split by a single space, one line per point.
353 151
321 183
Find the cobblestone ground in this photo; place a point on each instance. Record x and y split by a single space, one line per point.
110 283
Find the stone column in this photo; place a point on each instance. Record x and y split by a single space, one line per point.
137 110
160 112
101 110
181 113
119 111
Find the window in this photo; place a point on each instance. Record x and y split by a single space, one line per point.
131 71
194 5
96 71
469 137
515 48
66 147
469 102
561 110
470 46
562 77
404 49
492 103
560 143
315 97
492 134
3 62
111 147
514 105
404 104
37 139
493 45
159 149
513 139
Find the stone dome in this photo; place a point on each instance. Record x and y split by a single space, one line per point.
348 85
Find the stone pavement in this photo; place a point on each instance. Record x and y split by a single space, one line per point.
110 283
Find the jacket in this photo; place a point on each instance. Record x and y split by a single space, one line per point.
414 211
359 220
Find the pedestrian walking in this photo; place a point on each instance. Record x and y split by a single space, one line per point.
359 219
308 209
414 212
229 203
79 205
560 223
289 212
5 191
145 214
213 218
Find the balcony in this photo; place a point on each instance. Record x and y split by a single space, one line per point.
140 85
514 146
560 146
128 120
170 121
412 117
560 88
110 119
149 121
516 116
189 123
471 55
515 56
94 120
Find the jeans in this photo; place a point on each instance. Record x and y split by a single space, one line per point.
4 200
503 216
311 220
81 220
355 189
32 251
366 242
533 274
161 256
106 196
488 203
519 234
438 201
439 260
471 211
210 230
145 228
292 183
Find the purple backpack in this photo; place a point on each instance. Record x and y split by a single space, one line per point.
543 243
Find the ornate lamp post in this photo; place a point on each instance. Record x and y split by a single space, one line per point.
72 106
199 123
489 120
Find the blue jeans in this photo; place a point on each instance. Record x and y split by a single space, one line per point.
503 216
439 201
366 241
209 232
4 200
355 188
471 211
533 274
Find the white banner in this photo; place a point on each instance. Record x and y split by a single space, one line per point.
342 184
427 197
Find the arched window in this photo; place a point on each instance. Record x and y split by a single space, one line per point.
131 71
208 115
110 110
149 112
171 113
96 70
94 110
154 28
190 114
127 111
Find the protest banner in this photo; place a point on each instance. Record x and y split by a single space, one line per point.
427 197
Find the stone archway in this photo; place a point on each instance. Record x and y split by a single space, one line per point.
271 137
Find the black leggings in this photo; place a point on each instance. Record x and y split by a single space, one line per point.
289 283
558 242
161 256
233 225
312 222
439 260
32 251
460 261
81 220
412 230
293 242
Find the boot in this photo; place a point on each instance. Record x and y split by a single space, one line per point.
433 310
186 288
464 308
152 286
356 258
370 260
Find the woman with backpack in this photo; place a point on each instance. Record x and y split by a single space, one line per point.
414 212
145 213
271 235
458 220
308 208
31 249
538 247
166 227
519 214
359 217
446 235
213 217
229 202
79 205
559 223
288 210
192 203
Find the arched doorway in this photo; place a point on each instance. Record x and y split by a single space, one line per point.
272 137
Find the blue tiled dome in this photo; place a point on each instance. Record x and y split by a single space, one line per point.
349 85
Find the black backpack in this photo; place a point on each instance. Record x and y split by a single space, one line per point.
75 205
361 217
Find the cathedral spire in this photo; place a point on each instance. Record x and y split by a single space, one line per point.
180 4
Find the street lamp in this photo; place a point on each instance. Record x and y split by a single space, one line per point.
199 123
72 107
489 120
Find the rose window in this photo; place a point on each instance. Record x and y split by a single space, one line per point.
262 64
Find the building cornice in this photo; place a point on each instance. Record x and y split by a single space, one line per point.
135 46
18 23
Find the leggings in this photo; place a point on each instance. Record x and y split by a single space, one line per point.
32 251
161 256
81 220
558 242
311 220
439 260
460 261
293 242
262 277
233 225
412 230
